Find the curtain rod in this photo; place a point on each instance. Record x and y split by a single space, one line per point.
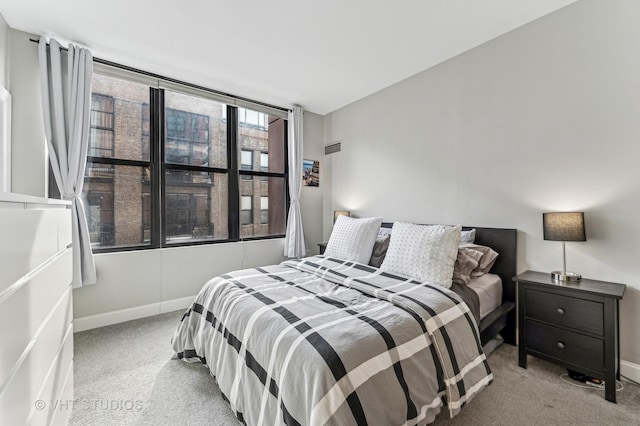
173 80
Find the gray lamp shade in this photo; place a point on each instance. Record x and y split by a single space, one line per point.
563 226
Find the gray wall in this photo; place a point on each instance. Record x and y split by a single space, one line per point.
133 279
28 145
545 118
311 197
4 53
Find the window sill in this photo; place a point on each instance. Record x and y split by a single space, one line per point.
109 250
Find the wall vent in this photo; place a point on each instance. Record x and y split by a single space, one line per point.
334 147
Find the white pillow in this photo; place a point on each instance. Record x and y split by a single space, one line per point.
353 239
424 252
468 236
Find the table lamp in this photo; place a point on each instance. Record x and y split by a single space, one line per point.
564 226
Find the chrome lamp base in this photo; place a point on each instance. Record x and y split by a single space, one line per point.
565 276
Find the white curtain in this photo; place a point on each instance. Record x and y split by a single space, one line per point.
66 105
294 245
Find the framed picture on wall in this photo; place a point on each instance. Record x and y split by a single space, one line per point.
310 173
5 140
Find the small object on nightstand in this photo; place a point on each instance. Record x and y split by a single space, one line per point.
322 247
565 226
576 325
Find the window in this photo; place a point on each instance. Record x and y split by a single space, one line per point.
246 162
116 180
146 216
264 210
264 163
187 138
101 125
246 210
246 159
266 178
159 172
248 117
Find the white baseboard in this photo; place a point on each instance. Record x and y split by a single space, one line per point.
137 312
630 370
176 304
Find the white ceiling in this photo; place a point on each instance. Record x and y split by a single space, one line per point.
320 54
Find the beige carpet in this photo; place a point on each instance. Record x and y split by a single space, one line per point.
124 375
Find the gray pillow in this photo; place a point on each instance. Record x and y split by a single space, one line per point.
489 257
466 262
379 250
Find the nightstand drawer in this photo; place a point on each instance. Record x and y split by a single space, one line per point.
565 345
579 314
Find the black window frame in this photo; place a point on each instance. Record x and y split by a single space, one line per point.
158 167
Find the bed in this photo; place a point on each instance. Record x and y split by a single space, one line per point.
322 340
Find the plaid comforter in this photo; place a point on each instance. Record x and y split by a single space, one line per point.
322 341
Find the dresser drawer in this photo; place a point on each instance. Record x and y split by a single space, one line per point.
565 345
579 314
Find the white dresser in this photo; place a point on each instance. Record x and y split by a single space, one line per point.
36 312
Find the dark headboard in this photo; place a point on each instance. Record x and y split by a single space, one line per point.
503 241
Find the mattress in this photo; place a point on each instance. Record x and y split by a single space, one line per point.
489 290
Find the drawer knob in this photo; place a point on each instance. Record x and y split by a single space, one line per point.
560 311
560 345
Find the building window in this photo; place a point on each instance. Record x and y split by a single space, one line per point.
246 210
246 162
187 138
146 216
249 117
264 164
101 126
264 210
264 161
158 171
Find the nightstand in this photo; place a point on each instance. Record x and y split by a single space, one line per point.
573 324
322 247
